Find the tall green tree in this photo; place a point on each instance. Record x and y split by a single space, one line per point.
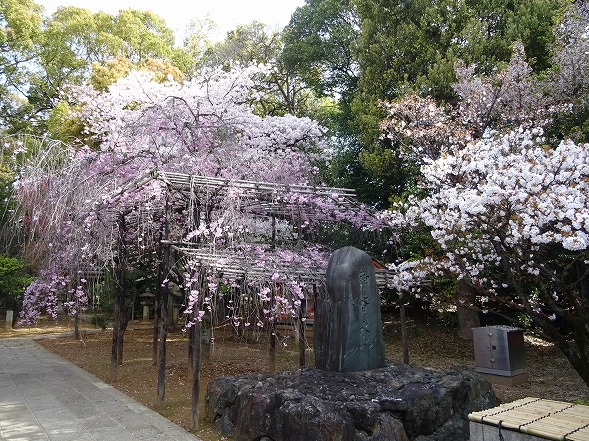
20 31
282 89
197 41
320 45
41 56
412 47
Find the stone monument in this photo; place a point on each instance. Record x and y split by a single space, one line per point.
347 332
9 319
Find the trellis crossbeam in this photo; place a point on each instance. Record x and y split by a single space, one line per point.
240 266
186 181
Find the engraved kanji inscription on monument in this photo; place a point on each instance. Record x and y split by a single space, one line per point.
347 332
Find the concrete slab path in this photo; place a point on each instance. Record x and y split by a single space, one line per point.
43 397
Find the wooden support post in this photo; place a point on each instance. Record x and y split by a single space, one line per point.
272 318
272 330
301 332
273 232
404 336
156 326
161 378
118 329
76 323
157 303
191 348
194 407
206 336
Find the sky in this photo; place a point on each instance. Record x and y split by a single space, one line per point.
226 14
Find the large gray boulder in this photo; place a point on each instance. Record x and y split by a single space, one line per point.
394 403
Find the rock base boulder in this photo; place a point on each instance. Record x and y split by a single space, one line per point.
394 403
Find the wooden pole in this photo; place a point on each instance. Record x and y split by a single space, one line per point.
206 335
161 378
119 304
194 407
272 330
191 348
404 336
301 331
121 288
157 302
77 322
156 325
272 327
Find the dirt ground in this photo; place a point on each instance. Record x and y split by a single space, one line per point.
430 344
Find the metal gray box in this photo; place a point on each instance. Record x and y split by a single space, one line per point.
499 350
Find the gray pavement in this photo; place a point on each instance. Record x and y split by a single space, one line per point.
44 397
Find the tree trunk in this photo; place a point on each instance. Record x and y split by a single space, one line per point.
466 313
579 359
576 350
582 270
114 349
123 321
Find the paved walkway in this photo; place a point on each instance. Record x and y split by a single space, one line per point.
46 398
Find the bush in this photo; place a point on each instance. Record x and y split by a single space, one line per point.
99 320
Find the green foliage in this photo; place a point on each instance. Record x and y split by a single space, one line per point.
21 22
411 47
103 75
99 320
40 57
245 45
14 278
6 179
281 89
62 125
319 44
20 30
574 125
192 55
319 47
20 27
142 35
103 294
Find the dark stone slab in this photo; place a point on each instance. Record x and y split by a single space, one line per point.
394 403
347 332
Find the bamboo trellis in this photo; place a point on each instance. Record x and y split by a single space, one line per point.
266 200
